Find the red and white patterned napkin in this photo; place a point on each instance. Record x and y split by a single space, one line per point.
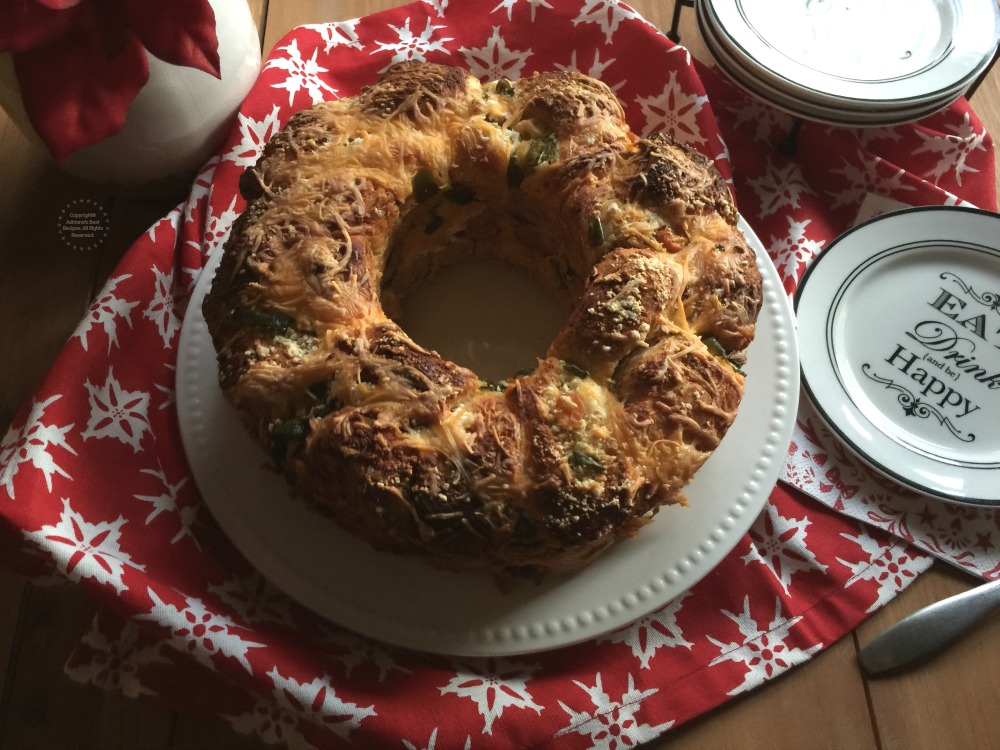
95 488
819 464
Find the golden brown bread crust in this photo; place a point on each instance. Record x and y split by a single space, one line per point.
355 200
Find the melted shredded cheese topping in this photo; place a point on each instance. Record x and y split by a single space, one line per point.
358 199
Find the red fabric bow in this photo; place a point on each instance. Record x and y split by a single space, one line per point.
81 63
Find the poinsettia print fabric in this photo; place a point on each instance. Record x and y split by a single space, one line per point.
95 487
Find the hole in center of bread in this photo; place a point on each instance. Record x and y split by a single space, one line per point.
484 314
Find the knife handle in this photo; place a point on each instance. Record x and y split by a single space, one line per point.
929 629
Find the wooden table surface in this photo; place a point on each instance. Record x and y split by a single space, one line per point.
45 288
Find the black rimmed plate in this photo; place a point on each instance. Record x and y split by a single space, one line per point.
899 337
833 112
868 55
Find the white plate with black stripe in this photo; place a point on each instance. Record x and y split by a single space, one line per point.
862 55
831 111
899 338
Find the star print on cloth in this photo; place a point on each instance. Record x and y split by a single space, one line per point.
780 545
596 69
256 600
86 550
169 395
675 111
117 413
200 190
952 152
494 685
438 6
655 631
362 654
337 34
272 724
303 75
410 47
105 312
863 179
117 664
764 653
722 156
167 502
612 725
317 702
608 14
890 566
33 444
780 187
169 224
509 6
198 631
766 122
794 251
495 60
869 136
254 136
218 226
432 743
167 306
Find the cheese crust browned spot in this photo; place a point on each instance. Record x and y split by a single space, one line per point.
358 199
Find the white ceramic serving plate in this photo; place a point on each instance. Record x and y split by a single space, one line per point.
855 54
405 602
899 332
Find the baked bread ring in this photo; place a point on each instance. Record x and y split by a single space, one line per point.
356 200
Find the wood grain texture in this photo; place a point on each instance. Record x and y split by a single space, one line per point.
949 700
13 590
826 704
36 264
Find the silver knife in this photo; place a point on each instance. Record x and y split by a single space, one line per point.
929 629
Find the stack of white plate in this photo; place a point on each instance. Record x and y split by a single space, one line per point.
853 62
